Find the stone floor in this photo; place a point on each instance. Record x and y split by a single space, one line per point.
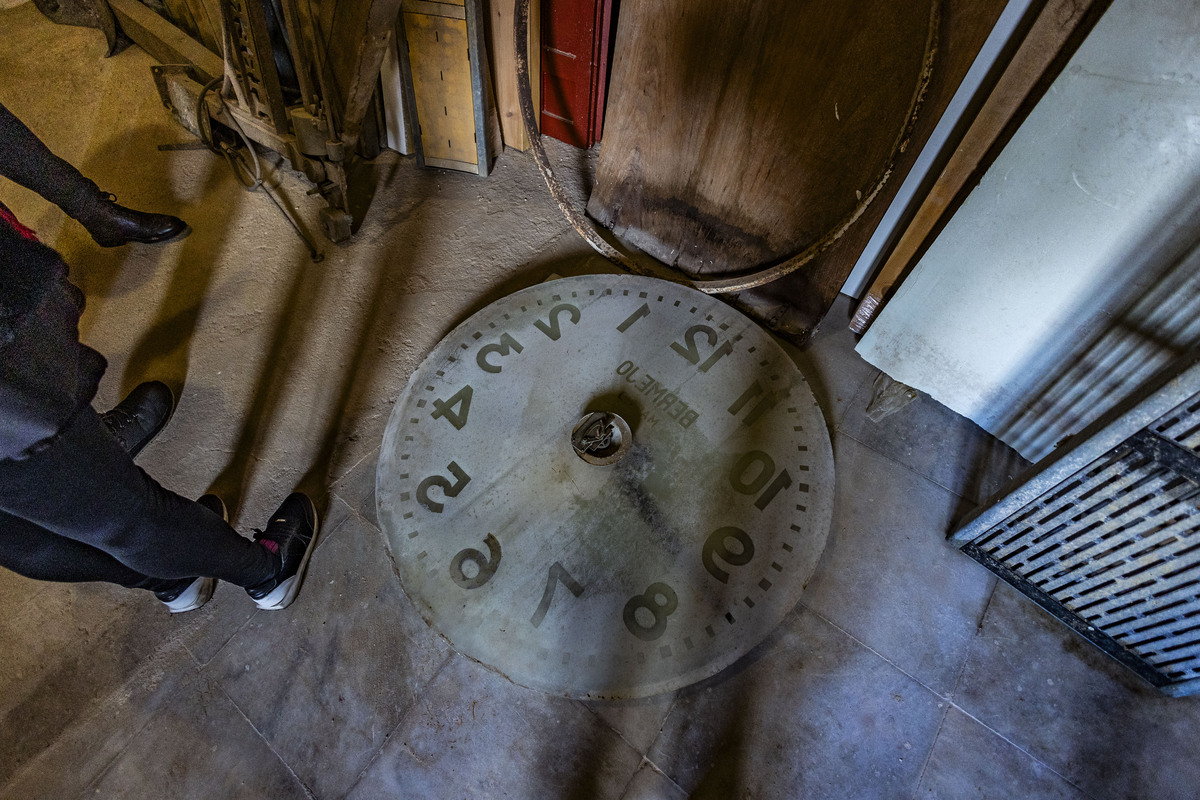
905 671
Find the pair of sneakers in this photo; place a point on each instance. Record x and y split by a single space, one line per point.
290 535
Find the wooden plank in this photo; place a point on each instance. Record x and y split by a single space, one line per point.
164 41
504 69
451 10
397 101
740 132
192 17
1054 31
208 20
441 73
487 123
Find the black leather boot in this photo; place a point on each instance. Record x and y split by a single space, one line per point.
112 225
26 160
139 417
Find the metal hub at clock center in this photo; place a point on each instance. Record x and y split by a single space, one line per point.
606 486
601 438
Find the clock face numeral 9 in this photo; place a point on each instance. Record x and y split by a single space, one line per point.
692 350
485 565
766 468
551 328
446 408
715 547
461 479
661 601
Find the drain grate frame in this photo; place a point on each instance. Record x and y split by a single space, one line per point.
1104 533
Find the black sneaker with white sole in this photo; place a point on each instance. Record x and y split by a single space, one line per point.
188 594
291 535
139 417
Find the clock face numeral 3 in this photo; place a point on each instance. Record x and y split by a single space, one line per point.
623 578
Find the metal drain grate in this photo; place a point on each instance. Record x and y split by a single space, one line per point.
1106 536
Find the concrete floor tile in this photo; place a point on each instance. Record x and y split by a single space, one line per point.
1064 702
834 370
970 762
813 715
211 627
887 575
650 784
69 649
100 727
198 747
637 721
475 734
934 441
357 488
325 680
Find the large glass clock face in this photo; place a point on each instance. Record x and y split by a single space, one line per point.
606 486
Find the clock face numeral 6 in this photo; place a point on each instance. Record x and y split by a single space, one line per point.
634 558
485 566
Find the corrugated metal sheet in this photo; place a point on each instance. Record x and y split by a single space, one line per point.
1158 325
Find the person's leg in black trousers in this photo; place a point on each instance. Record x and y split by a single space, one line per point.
73 505
81 510
24 159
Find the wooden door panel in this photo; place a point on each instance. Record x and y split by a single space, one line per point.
441 74
574 57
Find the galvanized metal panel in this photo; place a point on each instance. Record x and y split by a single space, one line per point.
1106 536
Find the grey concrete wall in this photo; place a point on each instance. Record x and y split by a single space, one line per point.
1066 278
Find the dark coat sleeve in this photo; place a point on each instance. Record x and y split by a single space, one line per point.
46 375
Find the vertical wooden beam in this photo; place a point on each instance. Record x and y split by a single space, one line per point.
504 67
360 36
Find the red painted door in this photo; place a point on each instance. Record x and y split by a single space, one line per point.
576 43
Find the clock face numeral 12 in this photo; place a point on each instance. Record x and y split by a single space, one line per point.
692 350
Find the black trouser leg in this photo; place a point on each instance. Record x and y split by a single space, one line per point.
84 487
24 159
35 552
